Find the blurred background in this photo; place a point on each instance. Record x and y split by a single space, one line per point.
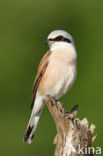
24 26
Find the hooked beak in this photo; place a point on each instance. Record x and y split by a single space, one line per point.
46 42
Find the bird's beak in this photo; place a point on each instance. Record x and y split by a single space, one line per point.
46 42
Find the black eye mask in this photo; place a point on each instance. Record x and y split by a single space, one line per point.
61 38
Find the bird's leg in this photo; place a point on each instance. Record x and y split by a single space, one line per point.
53 100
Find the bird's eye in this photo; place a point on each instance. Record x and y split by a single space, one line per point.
59 38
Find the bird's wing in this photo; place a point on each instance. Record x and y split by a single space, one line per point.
41 70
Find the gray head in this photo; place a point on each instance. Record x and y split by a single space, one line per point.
59 36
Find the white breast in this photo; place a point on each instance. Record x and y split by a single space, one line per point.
65 60
70 77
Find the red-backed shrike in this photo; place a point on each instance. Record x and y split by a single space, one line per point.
56 74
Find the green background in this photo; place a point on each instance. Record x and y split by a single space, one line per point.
24 25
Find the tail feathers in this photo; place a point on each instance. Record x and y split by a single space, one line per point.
36 112
32 127
31 130
27 137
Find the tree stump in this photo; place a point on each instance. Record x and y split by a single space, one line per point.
74 136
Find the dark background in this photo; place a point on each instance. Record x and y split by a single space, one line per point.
24 25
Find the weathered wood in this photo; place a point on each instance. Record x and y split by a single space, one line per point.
72 134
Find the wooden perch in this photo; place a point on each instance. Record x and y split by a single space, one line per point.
74 137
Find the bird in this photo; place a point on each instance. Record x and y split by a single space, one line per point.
56 74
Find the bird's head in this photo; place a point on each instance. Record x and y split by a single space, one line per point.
58 36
